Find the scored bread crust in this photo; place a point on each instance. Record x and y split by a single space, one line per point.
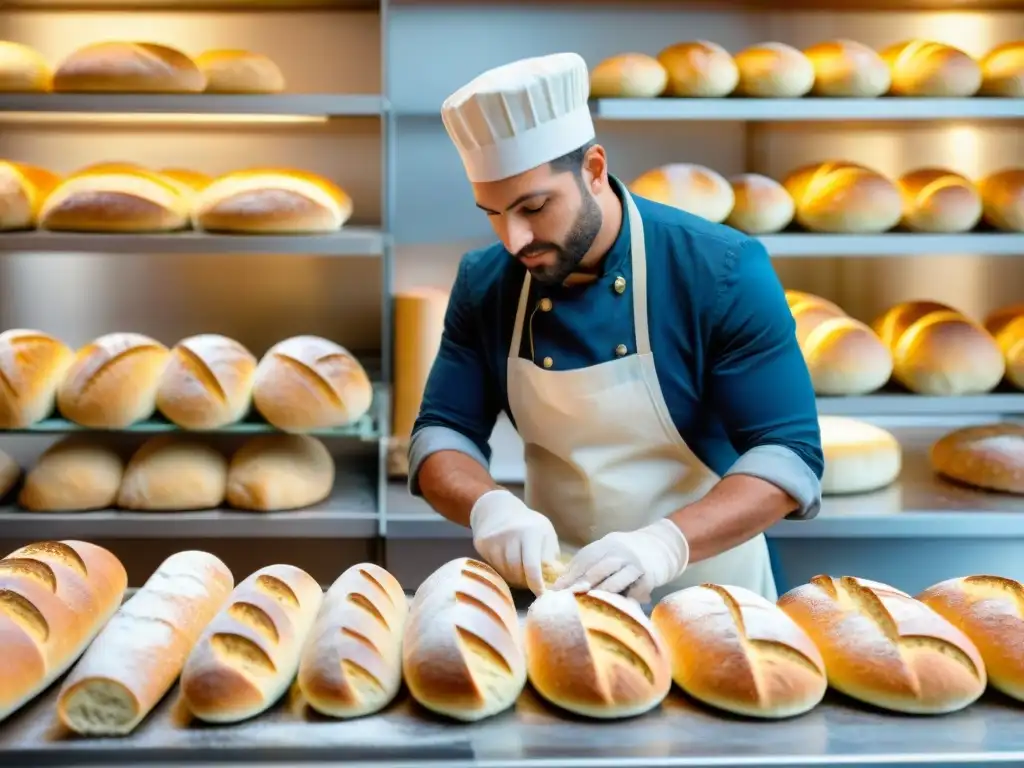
848 68
32 366
128 67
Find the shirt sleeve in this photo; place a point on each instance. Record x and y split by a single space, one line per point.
460 402
760 383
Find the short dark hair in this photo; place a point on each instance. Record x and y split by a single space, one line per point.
572 162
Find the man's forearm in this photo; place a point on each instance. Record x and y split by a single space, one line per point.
452 482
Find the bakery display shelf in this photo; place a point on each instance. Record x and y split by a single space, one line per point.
246 6
800 244
286 104
886 403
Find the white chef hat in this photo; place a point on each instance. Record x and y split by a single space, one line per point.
521 115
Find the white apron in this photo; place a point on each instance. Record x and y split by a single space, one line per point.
602 452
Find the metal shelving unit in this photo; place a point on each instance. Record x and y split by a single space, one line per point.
285 104
905 404
894 244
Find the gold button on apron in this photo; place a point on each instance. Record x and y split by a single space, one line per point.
548 362
545 305
620 284
620 351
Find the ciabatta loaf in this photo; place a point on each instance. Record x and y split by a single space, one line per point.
75 474
32 366
127 67
275 472
23 190
174 472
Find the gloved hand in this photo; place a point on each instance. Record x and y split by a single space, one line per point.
635 563
513 538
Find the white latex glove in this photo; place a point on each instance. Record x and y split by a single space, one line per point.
634 563
513 539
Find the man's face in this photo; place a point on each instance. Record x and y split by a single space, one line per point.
546 220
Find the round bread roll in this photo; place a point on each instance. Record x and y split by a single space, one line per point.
207 383
946 354
32 366
76 474
997 320
1010 339
192 181
845 357
279 472
595 654
23 189
628 76
859 457
171 472
846 68
691 188
9 474
113 381
937 200
773 70
1002 195
891 325
699 69
269 201
840 197
306 382
799 297
234 71
762 205
23 69
810 312
925 68
1002 71
113 67
990 457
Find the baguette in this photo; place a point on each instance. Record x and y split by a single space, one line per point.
135 660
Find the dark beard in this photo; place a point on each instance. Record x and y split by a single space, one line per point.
568 255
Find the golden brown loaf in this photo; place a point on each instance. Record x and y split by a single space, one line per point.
1002 71
990 457
1000 318
699 69
735 650
595 654
23 69
691 188
847 68
174 472
937 200
1007 327
32 365
192 181
139 654
352 663
113 381
809 312
247 656
841 197
235 71
276 472
843 355
1002 195
207 383
54 597
10 473
774 70
799 297
884 648
990 611
128 68
925 68
76 474
762 205
859 457
893 323
628 76
272 201
23 189
462 650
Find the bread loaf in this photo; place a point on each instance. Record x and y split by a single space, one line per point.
32 365
924 68
171 472
762 205
990 611
76 474
884 648
699 69
628 76
596 654
234 71
10 472
859 457
944 353
735 650
139 654
54 597
847 68
462 650
841 197
811 312
113 381
128 68
989 457
248 655
1007 327
352 663
691 188
937 200
1002 71
774 70
1002 195
893 323
207 383
799 297
23 189
192 181
997 320
272 201
23 69
277 472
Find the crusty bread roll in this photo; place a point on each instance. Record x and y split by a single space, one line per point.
10 473
998 319
841 197
139 654
1002 194
32 366
1006 325
595 654
54 597
773 70
247 656
462 650
859 457
989 456
846 68
692 188
628 76
113 381
735 650
884 648
990 611
925 68
271 201
207 382
76 474
699 69
192 181
172 472
762 205
893 323
125 67
352 663
1002 71
937 200
810 312
23 190
277 472
235 71
799 297
23 69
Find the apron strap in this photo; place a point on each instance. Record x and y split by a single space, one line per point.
517 327
638 257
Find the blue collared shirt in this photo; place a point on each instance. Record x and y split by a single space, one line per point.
722 336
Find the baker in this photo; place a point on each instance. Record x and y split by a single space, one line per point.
647 358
